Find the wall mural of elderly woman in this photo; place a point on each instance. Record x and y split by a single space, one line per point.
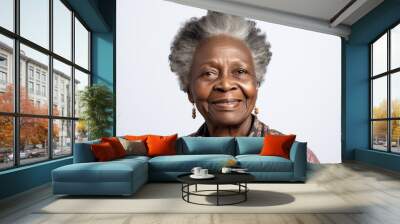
221 61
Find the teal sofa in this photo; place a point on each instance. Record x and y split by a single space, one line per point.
125 176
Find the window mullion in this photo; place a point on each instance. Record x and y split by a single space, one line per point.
371 137
389 113
50 81
16 84
73 82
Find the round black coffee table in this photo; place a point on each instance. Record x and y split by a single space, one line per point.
238 179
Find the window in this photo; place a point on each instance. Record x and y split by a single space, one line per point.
43 77
30 72
30 87
55 127
6 73
62 29
7 14
81 45
44 91
3 78
3 61
62 74
37 89
385 91
3 72
34 21
38 74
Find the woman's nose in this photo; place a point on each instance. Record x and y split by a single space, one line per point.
225 83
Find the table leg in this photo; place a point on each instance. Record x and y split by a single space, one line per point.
188 190
217 194
245 193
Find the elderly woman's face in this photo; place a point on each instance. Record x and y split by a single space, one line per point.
223 83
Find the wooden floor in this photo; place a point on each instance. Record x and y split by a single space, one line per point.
378 188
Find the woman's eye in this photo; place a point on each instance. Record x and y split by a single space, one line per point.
241 71
209 74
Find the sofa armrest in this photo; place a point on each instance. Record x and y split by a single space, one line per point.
298 155
83 152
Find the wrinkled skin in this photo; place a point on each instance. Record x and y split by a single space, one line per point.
223 85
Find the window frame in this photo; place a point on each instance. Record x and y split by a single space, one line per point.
388 74
15 72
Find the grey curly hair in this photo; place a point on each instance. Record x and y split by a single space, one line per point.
215 23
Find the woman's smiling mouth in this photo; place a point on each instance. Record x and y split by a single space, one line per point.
227 104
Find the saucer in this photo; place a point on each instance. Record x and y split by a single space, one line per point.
208 176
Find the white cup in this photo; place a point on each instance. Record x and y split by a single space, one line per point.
196 171
203 172
226 170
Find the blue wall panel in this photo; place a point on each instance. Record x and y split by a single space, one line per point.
102 58
103 62
356 83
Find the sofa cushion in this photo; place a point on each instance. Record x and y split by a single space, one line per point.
185 163
277 145
112 171
116 145
135 147
103 152
249 145
161 145
257 163
206 145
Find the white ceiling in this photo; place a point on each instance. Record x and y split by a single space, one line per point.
326 16
321 9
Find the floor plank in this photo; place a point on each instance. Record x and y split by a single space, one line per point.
377 189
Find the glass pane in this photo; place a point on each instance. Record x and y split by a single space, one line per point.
33 139
81 131
81 45
379 55
34 97
395 94
62 29
395 47
6 142
81 81
395 136
62 89
7 14
35 21
6 74
379 97
379 135
62 138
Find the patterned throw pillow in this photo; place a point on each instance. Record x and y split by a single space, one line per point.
134 147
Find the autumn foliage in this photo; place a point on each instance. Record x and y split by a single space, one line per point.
380 127
33 131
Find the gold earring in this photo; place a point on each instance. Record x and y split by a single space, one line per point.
256 111
194 112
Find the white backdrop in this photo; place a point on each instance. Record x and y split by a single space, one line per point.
300 95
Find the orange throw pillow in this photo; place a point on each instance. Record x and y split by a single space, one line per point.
103 152
277 145
136 137
116 145
161 145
